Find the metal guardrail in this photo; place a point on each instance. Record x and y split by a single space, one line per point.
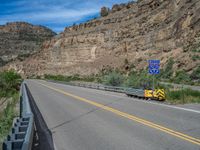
21 135
128 91
132 92
135 92
99 87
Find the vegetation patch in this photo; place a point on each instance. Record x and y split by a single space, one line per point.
181 77
167 72
182 96
140 80
113 78
76 77
7 115
196 50
196 75
195 57
9 87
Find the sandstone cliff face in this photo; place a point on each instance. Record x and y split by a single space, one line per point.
20 39
129 34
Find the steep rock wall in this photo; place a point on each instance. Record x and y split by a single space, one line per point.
128 35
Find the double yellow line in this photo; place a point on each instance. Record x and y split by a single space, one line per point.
131 117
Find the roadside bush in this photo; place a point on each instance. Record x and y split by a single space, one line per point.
181 77
7 116
114 78
136 79
142 80
132 80
9 86
6 120
58 77
174 95
167 72
196 74
9 83
195 57
190 92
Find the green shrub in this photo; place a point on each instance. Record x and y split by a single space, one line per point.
174 95
6 120
195 57
196 74
190 92
167 72
182 77
57 77
9 83
9 86
141 80
126 61
132 80
196 50
7 115
114 78
183 96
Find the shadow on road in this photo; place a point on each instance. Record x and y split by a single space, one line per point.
42 135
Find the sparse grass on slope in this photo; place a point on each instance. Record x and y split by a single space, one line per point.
9 87
6 117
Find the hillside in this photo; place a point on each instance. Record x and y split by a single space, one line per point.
20 39
125 37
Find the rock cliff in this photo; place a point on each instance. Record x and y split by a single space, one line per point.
125 37
20 39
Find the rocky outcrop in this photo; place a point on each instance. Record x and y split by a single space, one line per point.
125 38
104 11
20 39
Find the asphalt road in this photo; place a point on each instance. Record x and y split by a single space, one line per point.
89 119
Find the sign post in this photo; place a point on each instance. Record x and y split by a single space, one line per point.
154 68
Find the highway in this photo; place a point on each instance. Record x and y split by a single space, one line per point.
88 119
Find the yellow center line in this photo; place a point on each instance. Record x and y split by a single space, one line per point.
131 117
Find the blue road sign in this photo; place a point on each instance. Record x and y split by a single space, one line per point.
154 61
154 71
154 66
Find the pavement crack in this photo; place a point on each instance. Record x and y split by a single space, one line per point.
76 118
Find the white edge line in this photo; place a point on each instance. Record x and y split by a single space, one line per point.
165 105
150 102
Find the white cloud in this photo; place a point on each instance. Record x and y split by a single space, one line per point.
53 12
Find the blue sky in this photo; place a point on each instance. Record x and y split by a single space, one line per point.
55 14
